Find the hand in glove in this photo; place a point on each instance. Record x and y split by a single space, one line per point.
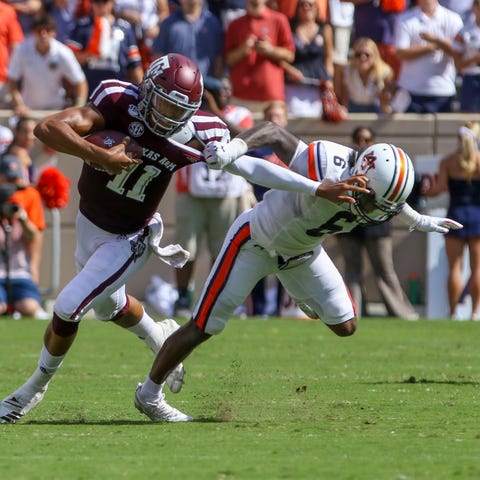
426 223
218 155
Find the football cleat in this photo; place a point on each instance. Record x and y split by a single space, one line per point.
175 380
13 408
159 410
155 341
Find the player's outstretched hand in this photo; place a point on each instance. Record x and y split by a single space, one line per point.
338 192
219 154
427 223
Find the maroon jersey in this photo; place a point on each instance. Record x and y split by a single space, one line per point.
125 203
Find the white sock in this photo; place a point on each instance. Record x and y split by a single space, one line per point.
151 390
47 366
144 327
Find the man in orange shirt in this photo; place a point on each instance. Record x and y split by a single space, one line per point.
256 44
11 35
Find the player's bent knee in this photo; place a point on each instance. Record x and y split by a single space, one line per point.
345 329
63 328
197 333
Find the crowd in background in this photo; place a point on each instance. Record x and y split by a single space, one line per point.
378 56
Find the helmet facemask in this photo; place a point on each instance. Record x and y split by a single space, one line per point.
371 210
164 114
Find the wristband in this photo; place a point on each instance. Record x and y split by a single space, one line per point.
236 148
315 188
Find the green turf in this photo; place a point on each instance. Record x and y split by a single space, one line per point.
276 399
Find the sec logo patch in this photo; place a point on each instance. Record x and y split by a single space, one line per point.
136 129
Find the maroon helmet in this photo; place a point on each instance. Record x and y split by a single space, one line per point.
170 93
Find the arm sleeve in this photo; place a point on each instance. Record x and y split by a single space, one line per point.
409 216
269 175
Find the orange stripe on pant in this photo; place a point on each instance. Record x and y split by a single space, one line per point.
220 276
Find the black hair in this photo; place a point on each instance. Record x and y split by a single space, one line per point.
357 130
44 20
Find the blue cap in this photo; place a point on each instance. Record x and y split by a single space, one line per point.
10 166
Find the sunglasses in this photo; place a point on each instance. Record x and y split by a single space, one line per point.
362 54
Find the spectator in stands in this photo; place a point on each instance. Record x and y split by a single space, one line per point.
371 20
217 100
462 7
313 61
289 8
145 16
367 80
207 201
82 9
459 174
255 46
26 10
467 61
227 10
11 35
196 32
22 145
105 46
423 39
341 19
39 69
62 12
22 224
376 241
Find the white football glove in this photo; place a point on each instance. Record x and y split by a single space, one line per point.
426 223
218 155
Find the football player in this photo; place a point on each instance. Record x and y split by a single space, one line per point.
283 235
117 225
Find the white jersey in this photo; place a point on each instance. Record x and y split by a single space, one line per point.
290 223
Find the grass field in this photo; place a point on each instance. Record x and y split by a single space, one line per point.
276 399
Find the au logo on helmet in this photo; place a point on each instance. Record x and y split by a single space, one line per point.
368 162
